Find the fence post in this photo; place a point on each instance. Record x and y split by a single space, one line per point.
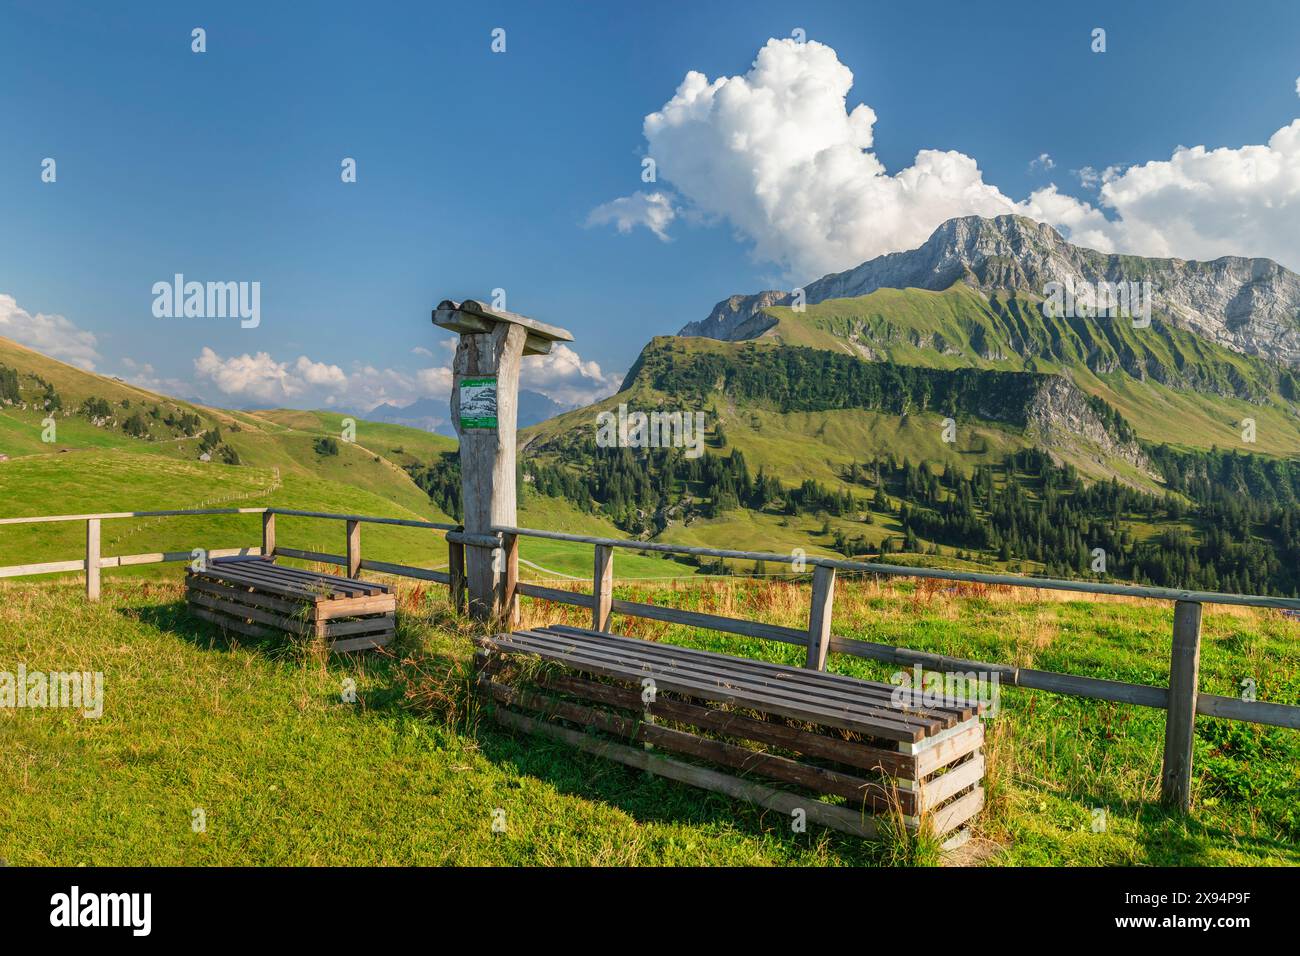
819 617
484 411
268 534
354 548
92 559
510 611
602 588
1180 717
456 571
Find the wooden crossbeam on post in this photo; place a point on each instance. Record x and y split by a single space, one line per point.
354 548
602 588
819 617
92 559
1180 717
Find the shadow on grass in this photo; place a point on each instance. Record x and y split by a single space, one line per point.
643 796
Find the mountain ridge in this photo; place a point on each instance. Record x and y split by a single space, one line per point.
1248 305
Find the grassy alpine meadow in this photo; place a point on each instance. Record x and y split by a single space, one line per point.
262 744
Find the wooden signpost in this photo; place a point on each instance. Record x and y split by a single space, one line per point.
484 409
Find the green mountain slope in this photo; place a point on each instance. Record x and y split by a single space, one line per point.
1170 384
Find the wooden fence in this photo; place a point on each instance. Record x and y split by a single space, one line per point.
1180 698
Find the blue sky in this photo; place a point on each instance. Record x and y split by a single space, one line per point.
479 170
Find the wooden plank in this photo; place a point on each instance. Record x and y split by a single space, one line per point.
759 688
602 590
851 753
267 575
380 622
360 643
947 785
819 617
872 794
759 684
902 655
47 567
558 595
1252 711
232 573
798 707
230 624
405 571
1180 720
946 751
106 515
92 559
1094 688
355 607
946 819
836 818
367 519
244 596
354 548
335 586
356 584
268 533
839 687
318 556
713 622
280 622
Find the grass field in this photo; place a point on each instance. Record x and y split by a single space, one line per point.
258 737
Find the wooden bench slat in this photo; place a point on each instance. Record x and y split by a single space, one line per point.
229 574
313 583
839 686
703 688
698 667
335 581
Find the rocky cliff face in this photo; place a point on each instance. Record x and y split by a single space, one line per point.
1248 305
1061 418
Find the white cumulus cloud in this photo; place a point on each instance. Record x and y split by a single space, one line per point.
565 377
654 211
52 335
779 154
305 383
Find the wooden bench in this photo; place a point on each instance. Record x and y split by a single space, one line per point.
810 733
255 596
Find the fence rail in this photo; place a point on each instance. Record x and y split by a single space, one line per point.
1180 698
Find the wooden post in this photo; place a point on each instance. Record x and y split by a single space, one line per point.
1180 718
456 570
268 534
510 546
354 548
484 410
819 617
602 588
92 559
